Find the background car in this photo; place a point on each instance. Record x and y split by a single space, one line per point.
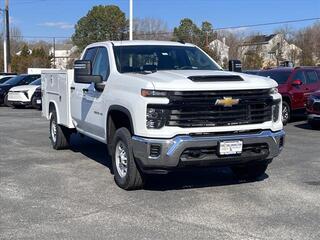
23 95
313 108
22 79
295 85
36 101
252 72
3 79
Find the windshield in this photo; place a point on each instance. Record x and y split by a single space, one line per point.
155 58
14 81
36 82
280 77
4 79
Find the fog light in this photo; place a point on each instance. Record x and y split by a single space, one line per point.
281 142
155 150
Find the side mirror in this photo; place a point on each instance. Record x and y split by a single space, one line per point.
296 82
235 66
83 72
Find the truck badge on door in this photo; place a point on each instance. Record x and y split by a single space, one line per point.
227 102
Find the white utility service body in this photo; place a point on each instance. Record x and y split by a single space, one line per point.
134 99
55 85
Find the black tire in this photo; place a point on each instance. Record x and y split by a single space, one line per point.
60 137
250 171
5 101
34 103
133 178
286 112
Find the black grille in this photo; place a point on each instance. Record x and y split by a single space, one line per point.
253 151
198 109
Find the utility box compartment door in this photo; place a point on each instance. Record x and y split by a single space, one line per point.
56 90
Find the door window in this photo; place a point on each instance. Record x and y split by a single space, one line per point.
311 77
299 75
90 54
101 64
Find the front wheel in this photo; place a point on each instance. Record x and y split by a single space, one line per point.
34 103
286 112
5 101
126 173
59 135
250 171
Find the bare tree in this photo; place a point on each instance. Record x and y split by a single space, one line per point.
234 39
308 39
151 29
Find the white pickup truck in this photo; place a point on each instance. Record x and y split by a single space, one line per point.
162 106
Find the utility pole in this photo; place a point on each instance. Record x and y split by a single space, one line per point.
131 20
54 52
6 39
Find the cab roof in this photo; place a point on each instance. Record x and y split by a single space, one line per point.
143 42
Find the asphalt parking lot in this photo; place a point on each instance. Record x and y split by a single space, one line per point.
70 194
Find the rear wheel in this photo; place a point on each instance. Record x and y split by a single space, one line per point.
250 171
286 112
59 135
126 173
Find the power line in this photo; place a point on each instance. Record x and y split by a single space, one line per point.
216 29
269 23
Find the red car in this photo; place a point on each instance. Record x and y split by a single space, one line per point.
295 86
313 108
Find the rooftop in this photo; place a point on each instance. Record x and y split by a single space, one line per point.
143 42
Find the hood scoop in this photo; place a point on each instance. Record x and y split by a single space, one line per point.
216 78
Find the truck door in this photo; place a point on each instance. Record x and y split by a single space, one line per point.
297 92
79 109
94 101
91 104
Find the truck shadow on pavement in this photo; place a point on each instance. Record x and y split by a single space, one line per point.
195 178
92 149
179 180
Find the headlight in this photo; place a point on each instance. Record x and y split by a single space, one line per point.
275 112
156 117
274 90
153 93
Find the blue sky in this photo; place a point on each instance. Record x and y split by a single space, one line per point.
57 17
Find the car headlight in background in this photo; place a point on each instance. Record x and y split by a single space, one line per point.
314 97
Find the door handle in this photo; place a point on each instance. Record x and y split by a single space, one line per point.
85 90
72 88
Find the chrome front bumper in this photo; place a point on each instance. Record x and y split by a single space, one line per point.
171 149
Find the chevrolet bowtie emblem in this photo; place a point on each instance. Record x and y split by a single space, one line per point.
227 102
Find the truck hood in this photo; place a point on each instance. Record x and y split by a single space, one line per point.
179 80
24 88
